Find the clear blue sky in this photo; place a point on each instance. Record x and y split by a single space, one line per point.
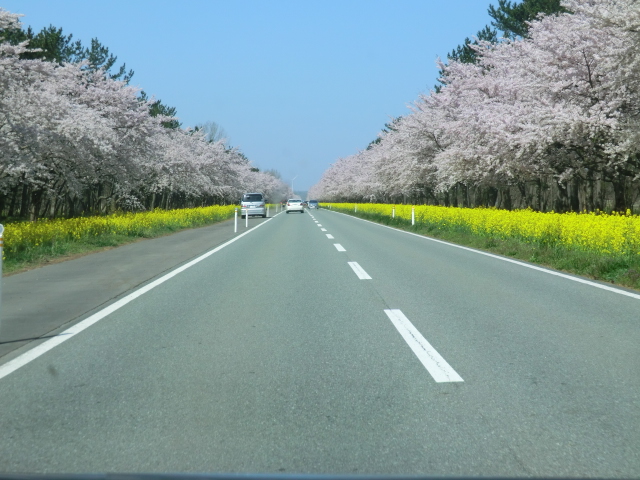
295 84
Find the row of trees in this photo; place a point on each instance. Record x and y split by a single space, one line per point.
547 117
76 139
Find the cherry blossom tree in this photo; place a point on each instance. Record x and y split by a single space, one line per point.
557 110
76 140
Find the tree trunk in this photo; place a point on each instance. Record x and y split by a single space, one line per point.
588 195
24 204
446 198
619 194
14 197
524 199
507 203
492 197
573 190
561 203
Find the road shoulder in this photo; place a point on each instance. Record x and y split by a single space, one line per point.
39 302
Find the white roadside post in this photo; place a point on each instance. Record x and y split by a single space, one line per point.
235 222
413 215
267 211
393 212
246 217
356 208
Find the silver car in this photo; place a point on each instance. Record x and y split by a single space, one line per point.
253 204
294 205
313 204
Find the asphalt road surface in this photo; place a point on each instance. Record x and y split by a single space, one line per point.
321 343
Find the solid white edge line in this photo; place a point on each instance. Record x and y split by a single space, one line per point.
339 247
437 366
510 260
359 271
30 355
329 236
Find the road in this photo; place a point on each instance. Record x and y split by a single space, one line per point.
321 343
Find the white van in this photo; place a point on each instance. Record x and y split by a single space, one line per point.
253 204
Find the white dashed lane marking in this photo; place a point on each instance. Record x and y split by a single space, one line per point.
437 366
359 271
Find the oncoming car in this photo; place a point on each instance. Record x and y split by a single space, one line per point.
295 205
314 204
253 204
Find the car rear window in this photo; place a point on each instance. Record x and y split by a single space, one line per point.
295 201
252 197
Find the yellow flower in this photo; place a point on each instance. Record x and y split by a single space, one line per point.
597 232
22 236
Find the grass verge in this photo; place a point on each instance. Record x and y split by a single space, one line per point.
63 250
621 270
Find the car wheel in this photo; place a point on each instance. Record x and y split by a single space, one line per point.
264 216
287 211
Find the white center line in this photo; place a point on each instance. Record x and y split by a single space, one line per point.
437 366
319 225
339 247
329 236
362 275
323 229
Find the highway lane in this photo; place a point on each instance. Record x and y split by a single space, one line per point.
554 365
272 355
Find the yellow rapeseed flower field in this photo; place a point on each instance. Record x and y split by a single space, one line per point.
613 234
22 236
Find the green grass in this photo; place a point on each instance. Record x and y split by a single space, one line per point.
621 270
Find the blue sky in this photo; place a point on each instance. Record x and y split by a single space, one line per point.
295 84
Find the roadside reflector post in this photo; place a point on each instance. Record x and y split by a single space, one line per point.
246 217
235 222
356 208
267 210
393 212
413 215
